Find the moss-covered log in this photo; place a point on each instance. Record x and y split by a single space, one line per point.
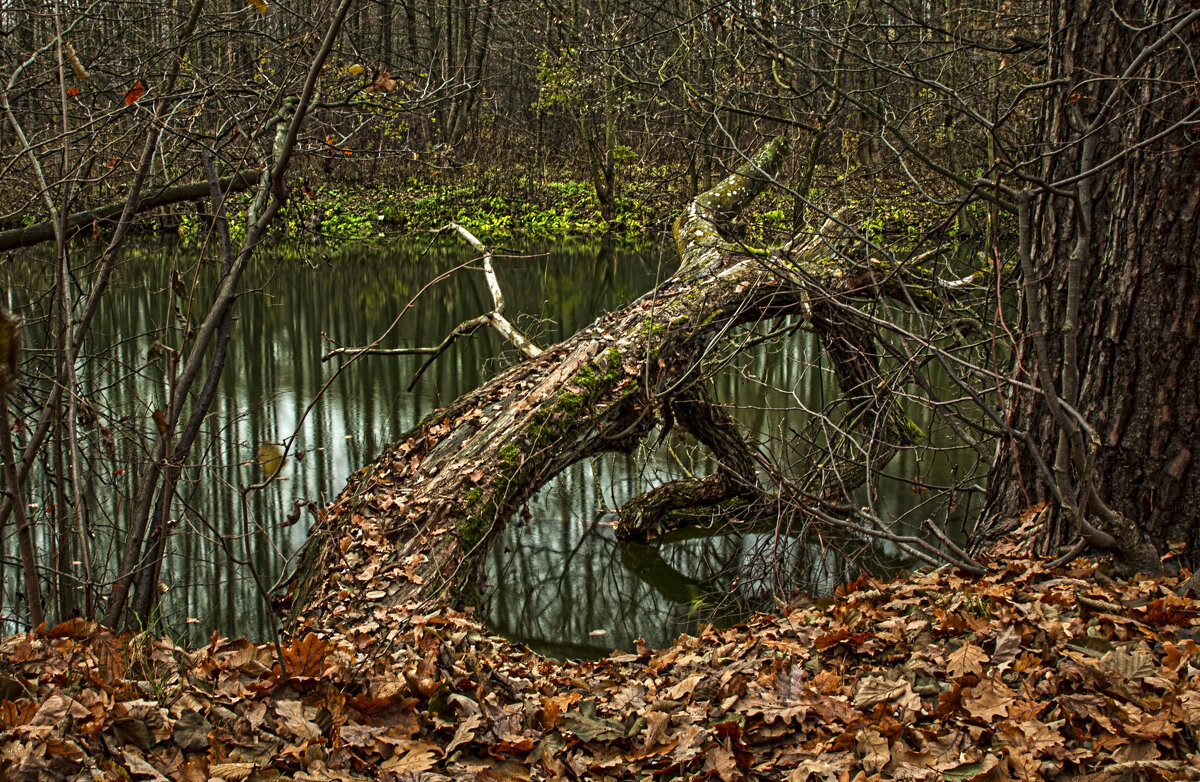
417 523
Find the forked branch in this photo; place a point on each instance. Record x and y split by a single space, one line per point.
494 318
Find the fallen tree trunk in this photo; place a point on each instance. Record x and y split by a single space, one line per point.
416 524
165 196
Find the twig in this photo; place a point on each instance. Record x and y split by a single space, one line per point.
964 560
495 318
1073 552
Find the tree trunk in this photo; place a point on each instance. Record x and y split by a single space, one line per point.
1112 306
416 524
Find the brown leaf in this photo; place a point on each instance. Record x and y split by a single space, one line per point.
554 707
138 766
873 690
873 749
383 83
305 657
110 656
1130 665
988 700
231 772
658 724
1007 647
417 759
295 721
191 731
685 687
721 761
966 659
55 708
465 732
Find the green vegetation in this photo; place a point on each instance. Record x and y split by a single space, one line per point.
491 208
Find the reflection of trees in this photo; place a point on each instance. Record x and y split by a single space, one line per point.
274 371
646 563
557 581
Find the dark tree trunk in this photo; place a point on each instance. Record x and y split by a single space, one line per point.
1114 294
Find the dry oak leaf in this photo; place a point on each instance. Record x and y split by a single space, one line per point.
966 659
874 750
720 760
685 687
418 758
55 708
658 724
1190 702
821 768
464 733
873 690
294 720
139 768
988 700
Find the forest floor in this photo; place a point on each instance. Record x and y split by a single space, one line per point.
1026 673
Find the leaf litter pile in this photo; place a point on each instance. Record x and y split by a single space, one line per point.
1027 673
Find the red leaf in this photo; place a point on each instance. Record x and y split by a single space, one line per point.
305 657
132 96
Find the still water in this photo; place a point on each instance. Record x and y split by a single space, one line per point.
560 581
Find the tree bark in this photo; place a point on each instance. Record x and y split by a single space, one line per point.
1112 291
165 196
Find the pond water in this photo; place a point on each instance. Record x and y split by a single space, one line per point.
560 581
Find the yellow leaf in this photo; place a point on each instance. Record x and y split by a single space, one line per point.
73 60
259 5
354 70
269 458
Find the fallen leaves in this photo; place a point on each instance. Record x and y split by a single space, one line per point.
936 677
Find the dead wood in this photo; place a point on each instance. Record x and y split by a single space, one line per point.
420 519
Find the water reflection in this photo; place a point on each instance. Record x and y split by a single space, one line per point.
558 580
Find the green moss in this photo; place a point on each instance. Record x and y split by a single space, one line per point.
557 420
473 529
587 378
652 328
915 433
